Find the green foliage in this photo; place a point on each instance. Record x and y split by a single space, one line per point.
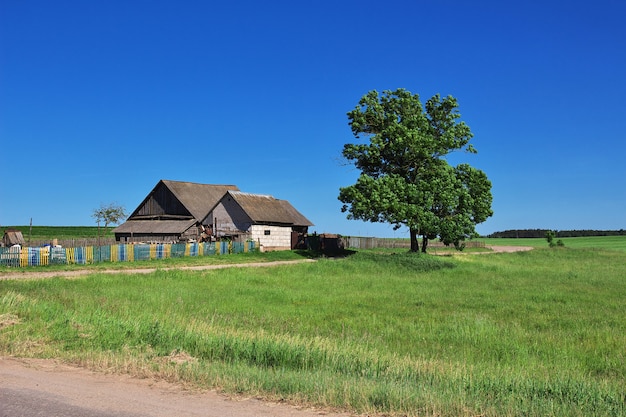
387 333
109 214
550 235
405 180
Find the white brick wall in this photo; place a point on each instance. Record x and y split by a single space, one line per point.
279 237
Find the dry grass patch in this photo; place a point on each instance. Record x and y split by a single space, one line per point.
8 319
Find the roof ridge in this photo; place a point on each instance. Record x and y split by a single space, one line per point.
244 193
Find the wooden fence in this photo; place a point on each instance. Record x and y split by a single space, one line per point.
51 255
377 242
72 243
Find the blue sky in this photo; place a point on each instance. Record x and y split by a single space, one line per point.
101 100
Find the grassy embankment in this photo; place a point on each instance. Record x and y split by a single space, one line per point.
535 333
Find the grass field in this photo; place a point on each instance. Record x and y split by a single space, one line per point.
597 242
535 333
61 232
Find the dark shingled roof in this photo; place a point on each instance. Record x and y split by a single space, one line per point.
198 198
267 209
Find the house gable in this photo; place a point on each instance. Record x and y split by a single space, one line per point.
198 198
161 204
228 217
177 200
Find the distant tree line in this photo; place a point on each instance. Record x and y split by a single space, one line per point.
541 233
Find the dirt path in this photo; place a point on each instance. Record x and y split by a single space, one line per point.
33 387
507 249
494 249
77 273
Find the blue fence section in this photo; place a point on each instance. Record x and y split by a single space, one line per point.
21 257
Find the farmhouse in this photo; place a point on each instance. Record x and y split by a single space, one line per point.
183 211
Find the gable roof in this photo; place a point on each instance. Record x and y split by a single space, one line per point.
196 198
267 209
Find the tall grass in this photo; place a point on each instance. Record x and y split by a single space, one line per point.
538 333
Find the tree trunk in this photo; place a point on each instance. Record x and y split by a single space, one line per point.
415 247
424 244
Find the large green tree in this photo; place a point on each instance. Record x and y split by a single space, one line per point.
405 178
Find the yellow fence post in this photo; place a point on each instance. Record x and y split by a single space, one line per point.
69 255
24 257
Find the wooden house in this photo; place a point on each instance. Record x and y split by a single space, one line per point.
276 224
177 211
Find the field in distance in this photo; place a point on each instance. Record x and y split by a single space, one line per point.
61 232
590 242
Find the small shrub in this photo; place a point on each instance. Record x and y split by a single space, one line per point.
550 234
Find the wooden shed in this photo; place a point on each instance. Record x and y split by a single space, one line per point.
274 223
13 237
182 211
171 212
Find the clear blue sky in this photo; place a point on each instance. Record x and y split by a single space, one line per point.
101 100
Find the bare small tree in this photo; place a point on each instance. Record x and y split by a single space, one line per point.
108 214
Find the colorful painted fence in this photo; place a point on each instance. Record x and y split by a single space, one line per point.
22 257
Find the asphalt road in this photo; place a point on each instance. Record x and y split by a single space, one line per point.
31 403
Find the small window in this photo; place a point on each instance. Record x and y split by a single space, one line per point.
266 232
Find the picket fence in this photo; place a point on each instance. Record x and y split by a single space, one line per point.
47 255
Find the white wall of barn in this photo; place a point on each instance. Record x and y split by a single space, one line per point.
271 237
229 217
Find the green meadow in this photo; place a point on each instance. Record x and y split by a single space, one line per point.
595 242
61 232
539 333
